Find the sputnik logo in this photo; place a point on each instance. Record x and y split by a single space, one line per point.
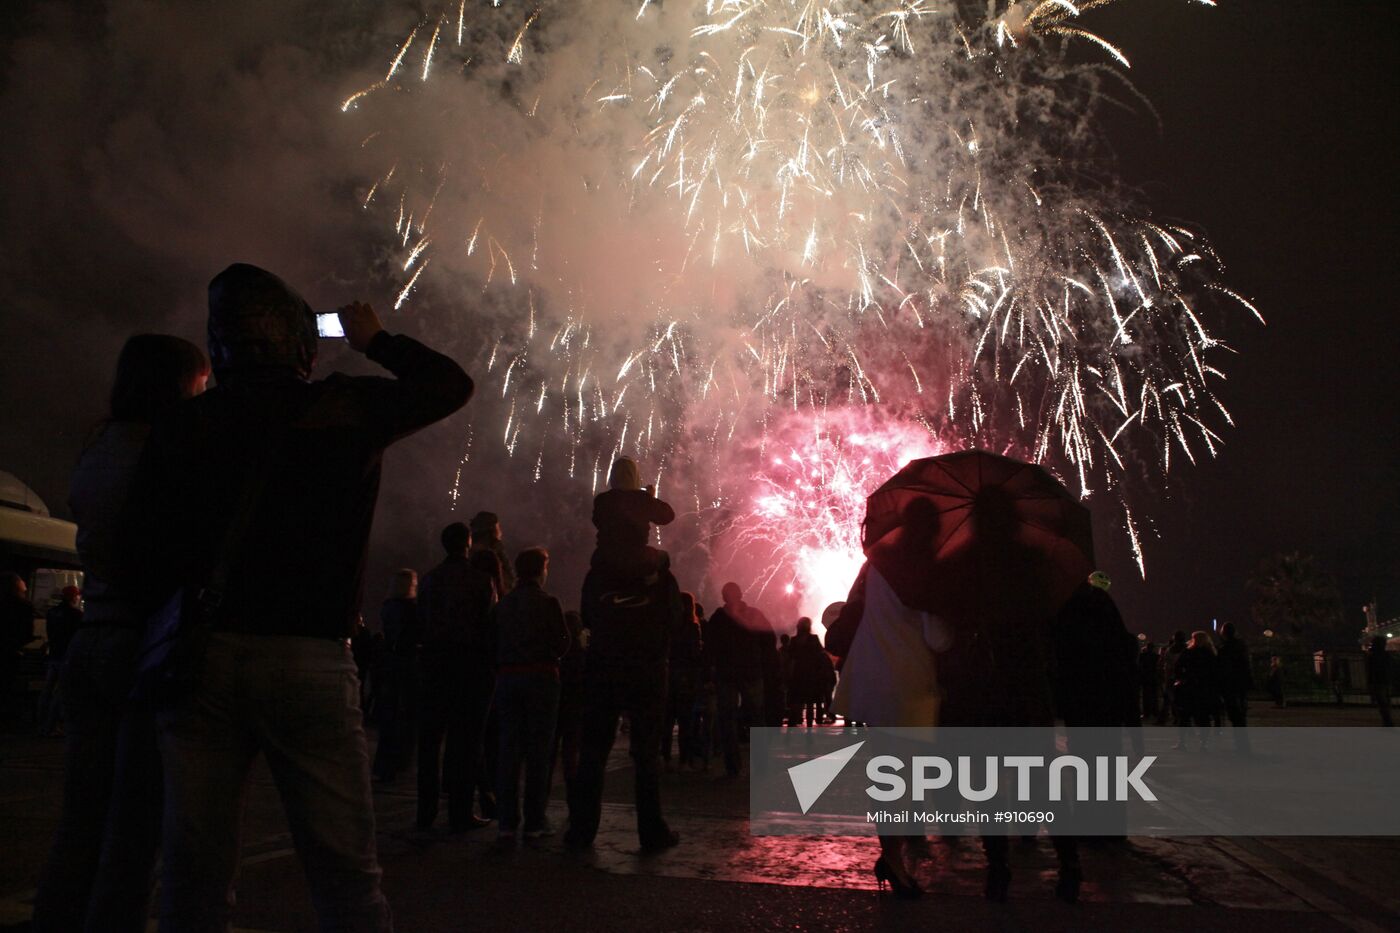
811 778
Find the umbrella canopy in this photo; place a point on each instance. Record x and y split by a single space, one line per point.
979 538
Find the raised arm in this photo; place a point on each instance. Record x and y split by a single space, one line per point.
427 387
660 512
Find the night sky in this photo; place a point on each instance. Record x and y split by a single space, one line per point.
146 147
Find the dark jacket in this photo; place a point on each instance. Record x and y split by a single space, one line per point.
97 495
739 649
687 648
454 603
812 673
1195 680
401 624
630 628
530 628
60 625
624 518
1095 671
1149 669
505 573
299 569
1233 676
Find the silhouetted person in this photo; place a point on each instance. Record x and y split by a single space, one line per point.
1095 678
486 536
531 637
630 630
396 693
60 625
100 870
1095 659
686 674
812 675
290 468
503 578
1378 675
889 675
1001 667
736 659
1234 681
571 687
1149 678
1275 682
1170 654
1196 688
458 663
623 516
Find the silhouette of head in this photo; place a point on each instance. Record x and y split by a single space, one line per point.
919 521
155 372
732 594
1227 631
456 538
804 626
625 475
486 527
532 564
404 584
257 322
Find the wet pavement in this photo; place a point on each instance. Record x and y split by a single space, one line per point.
722 878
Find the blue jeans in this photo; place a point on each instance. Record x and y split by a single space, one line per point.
111 791
528 707
296 700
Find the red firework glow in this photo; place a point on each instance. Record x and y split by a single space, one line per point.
803 520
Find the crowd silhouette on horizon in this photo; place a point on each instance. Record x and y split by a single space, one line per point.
223 535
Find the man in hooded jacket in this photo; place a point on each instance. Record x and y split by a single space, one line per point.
296 464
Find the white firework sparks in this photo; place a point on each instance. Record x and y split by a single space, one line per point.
924 198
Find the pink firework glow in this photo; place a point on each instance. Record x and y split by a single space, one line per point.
773 249
804 517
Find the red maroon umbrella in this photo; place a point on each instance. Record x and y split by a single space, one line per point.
976 537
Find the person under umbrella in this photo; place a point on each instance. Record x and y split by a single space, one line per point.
889 675
1011 546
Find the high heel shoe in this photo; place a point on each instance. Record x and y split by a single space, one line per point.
998 883
904 890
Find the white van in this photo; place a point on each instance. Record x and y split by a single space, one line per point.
40 548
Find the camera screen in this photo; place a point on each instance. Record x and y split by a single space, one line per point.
328 325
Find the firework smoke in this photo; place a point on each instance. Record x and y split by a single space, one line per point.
770 247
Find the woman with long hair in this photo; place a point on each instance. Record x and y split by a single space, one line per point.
1194 683
99 871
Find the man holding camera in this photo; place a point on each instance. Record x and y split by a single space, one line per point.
266 485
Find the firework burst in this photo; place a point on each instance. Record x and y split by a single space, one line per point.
926 226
